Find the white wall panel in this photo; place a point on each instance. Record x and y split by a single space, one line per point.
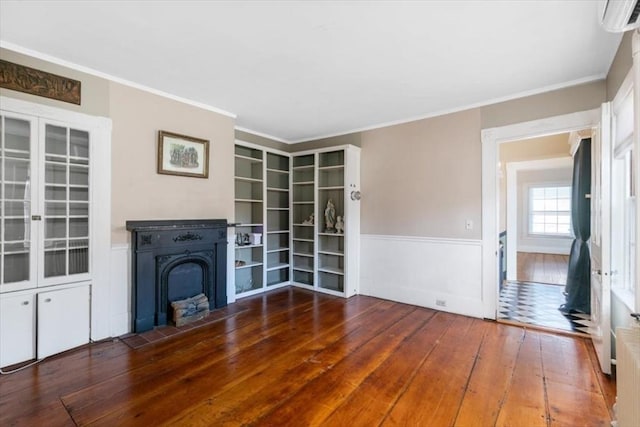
422 271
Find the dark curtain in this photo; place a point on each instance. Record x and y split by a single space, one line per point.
578 288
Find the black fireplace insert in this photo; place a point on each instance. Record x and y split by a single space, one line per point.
173 260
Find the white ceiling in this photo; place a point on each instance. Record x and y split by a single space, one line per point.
302 70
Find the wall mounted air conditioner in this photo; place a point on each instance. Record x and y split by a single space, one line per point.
620 15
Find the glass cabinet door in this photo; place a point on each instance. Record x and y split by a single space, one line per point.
66 201
16 174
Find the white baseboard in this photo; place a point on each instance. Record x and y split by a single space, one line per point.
424 271
551 250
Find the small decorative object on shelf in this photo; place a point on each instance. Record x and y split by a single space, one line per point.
243 239
330 217
310 220
256 238
240 263
340 225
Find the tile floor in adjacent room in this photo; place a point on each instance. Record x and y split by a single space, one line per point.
537 304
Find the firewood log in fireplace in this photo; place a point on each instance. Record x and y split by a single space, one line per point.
190 309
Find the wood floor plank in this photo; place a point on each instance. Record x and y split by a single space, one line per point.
491 376
572 383
434 395
266 389
369 404
340 381
525 402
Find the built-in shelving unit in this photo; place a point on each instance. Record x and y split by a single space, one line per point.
249 215
326 253
278 219
304 213
285 233
263 205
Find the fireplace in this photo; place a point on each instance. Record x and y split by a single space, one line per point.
173 260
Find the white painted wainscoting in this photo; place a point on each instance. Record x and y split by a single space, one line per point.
120 290
424 271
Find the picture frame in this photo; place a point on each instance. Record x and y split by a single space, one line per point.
182 155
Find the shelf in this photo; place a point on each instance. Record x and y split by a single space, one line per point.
250 264
331 270
303 203
297 239
282 190
298 168
271 251
249 225
326 168
277 170
277 209
337 187
306 270
248 201
278 267
331 253
303 183
250 159
303 254
278 231
331 234
246 179
303 225
248 246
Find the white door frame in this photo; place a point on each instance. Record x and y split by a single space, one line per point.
491 138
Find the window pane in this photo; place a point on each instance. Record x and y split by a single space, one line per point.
537 205
564 205
537 193
550 210
564 192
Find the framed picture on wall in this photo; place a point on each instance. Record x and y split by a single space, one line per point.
182 155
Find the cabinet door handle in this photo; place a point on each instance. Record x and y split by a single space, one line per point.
47 300
25 302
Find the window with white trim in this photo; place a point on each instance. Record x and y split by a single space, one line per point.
550 210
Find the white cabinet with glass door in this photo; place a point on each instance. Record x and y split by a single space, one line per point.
45 216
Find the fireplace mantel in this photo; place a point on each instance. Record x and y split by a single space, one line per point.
160 246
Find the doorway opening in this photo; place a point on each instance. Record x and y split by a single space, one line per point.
534 218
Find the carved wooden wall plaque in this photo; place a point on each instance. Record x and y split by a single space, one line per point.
40 83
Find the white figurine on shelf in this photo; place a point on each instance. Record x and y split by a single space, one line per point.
340 225
309 221
330 217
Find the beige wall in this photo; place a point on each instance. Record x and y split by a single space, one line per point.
622 63
547 147
349 138
260 140
423 178
138 192
562 101
94 98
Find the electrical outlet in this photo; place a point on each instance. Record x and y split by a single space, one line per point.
468 225
441 302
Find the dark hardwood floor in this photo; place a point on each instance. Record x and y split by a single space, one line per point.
295 358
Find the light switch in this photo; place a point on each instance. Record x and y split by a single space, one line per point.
468 225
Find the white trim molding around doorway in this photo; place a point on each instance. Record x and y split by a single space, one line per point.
491 138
